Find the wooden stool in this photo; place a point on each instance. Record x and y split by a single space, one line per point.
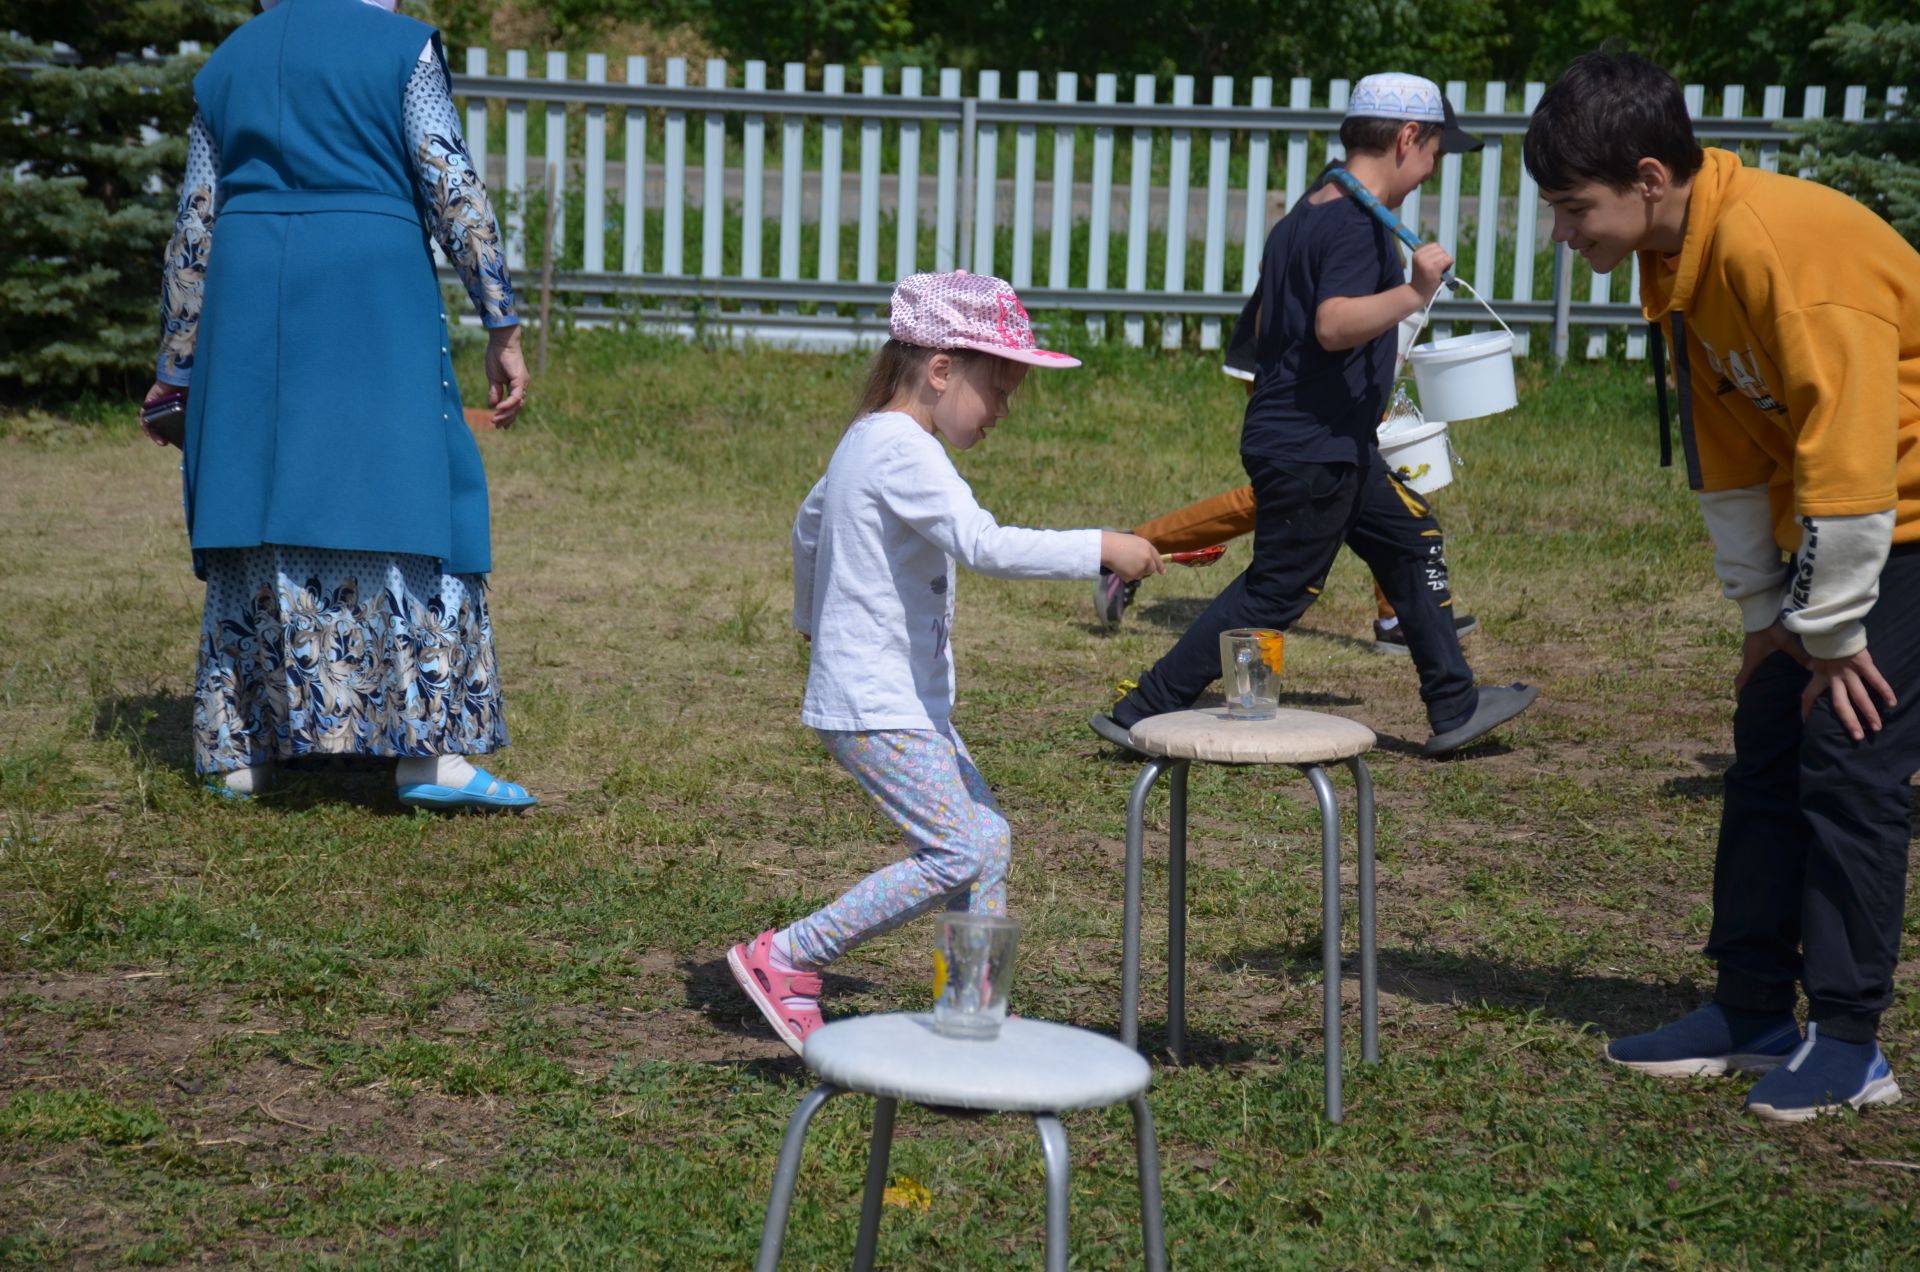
1306 740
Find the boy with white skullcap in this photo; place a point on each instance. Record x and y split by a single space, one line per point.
1332 296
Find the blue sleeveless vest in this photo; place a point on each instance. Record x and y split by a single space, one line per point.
323 411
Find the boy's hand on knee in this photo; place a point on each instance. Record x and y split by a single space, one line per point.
1764 644
1129 556
1851 684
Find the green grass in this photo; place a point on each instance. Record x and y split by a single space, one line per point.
320 1031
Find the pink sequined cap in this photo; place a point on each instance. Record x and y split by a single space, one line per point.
967 311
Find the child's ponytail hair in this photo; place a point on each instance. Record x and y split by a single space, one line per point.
896 370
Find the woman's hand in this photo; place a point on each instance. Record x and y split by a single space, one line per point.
506 375
158 390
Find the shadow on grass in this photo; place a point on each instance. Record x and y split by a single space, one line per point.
710 990
1703 786
1616 1005
1712 784
155 728
317 781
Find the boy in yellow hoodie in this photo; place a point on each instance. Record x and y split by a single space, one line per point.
1794 318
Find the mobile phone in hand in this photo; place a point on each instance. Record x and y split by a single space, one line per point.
166 417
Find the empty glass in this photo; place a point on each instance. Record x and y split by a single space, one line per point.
973 968
1250 672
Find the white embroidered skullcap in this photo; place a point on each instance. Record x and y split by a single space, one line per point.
1396 95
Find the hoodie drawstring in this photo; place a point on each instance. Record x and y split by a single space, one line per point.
1658 351
1683 385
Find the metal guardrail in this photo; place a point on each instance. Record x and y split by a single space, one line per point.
631 294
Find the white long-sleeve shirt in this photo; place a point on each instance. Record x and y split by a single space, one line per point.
1829 588
874 548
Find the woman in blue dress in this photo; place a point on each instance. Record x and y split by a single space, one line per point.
335 499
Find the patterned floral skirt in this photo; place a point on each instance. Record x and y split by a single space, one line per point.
307 651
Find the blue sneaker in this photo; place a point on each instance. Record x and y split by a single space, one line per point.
1825 1075
1709 1043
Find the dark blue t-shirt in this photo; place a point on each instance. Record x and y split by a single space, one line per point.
1310 405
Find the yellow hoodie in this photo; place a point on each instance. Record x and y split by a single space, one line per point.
1801 310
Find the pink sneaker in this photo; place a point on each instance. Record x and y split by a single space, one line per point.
752 965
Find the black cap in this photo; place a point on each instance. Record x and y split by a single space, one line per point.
1455 140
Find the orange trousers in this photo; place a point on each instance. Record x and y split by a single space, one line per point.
1216 519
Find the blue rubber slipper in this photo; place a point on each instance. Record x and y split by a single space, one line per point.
218 788
484 791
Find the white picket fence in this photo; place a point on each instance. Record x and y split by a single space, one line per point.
945 150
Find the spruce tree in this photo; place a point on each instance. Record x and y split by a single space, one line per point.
1877 162
94 109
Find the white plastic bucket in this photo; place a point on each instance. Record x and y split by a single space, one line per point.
1419 455
1465 377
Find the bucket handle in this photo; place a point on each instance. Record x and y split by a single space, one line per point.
1461 282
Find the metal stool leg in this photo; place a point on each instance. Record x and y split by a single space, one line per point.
877 1158
1330 931
1177 913
1152 1234
1369 956
785 1175
1053 1150
1130 919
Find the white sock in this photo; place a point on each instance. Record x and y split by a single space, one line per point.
436 770
783 962
1388 624
250 780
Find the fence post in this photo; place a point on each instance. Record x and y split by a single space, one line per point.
1526 223
593 248
1179 183
906 220
753 178
1562 302
556 155
792 194
713 176
1025 142
969 126
1213 262
948 194
1100 226
986 178
1133 327
833 83
673 212
516 228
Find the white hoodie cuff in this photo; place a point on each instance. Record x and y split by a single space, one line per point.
1844 642
1761 610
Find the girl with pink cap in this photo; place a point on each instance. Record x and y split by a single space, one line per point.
874 548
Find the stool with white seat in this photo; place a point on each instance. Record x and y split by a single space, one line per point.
1032 1067
1308 741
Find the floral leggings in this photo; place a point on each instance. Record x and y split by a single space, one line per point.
926 784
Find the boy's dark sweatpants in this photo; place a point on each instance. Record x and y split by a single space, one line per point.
1810 880
1302 514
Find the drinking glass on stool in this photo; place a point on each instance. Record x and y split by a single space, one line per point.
1250 672
973 975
